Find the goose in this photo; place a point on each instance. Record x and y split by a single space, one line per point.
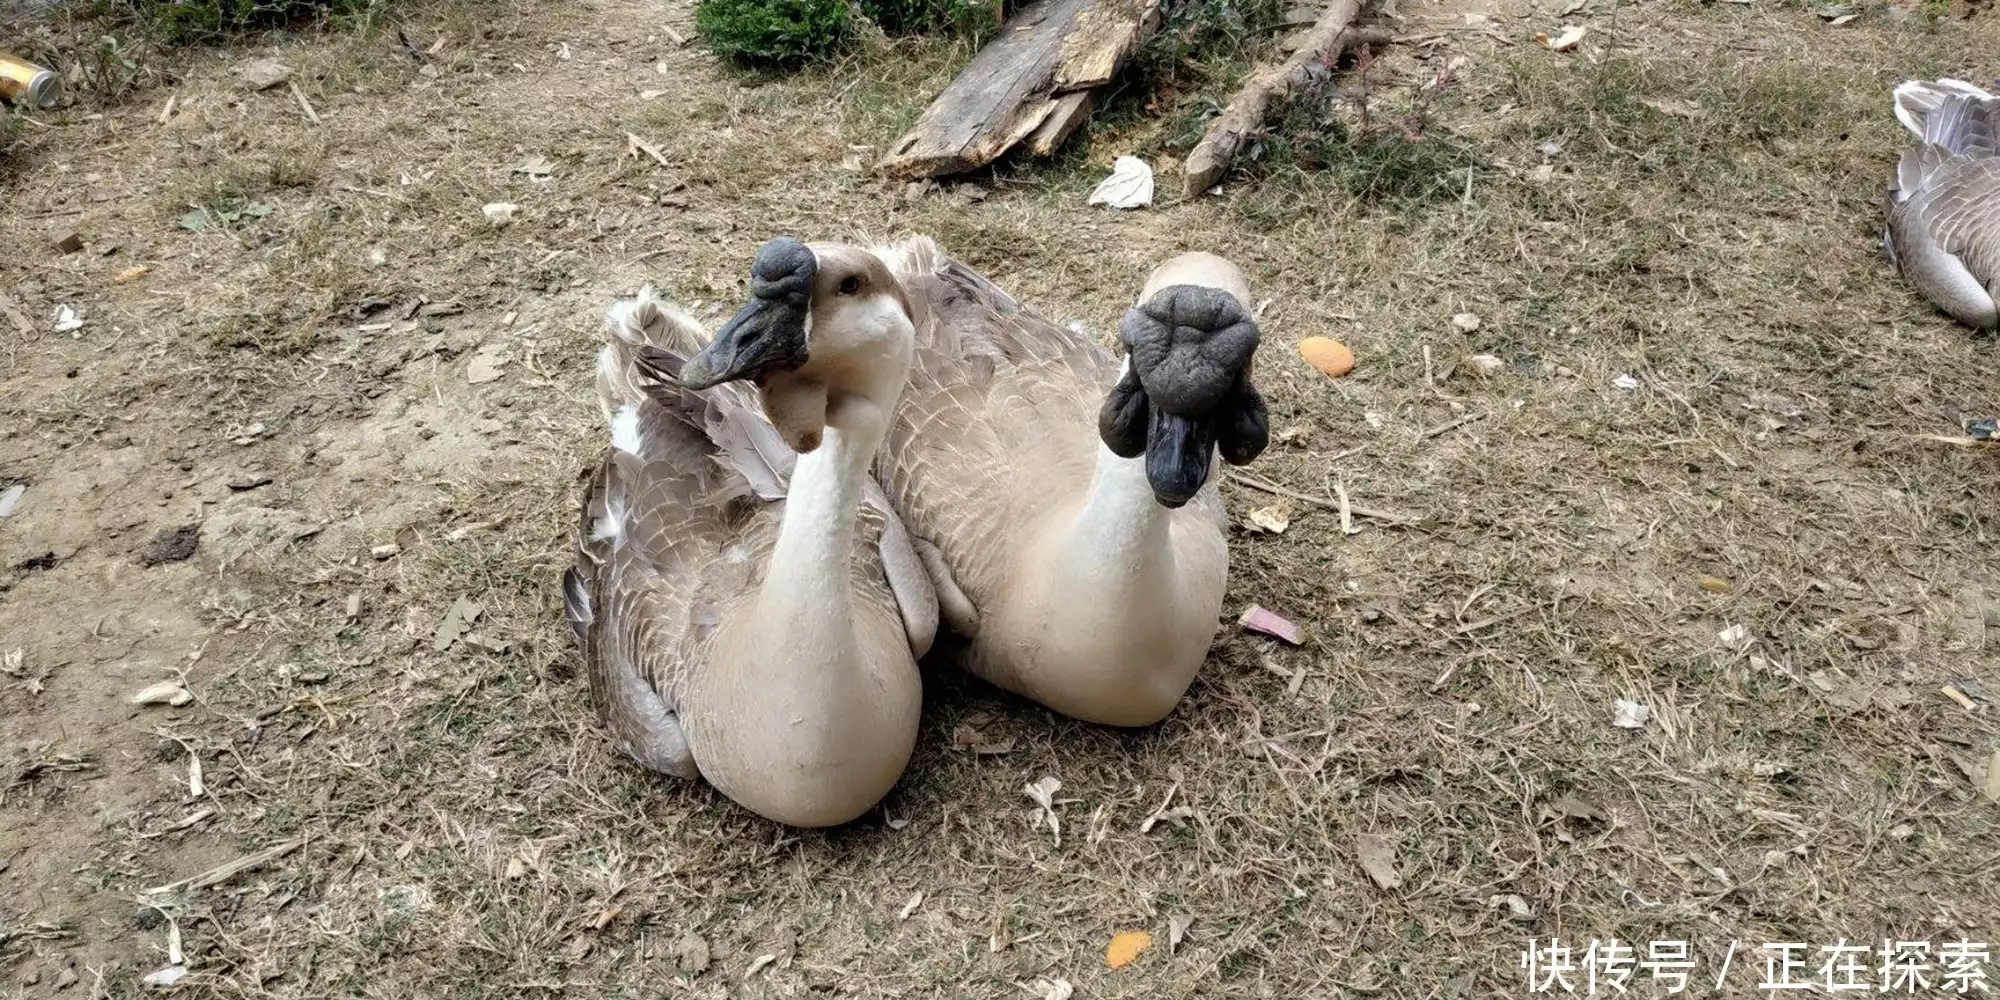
1943 205
1063 500
749 608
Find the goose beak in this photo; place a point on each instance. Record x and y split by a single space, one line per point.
768 334
764 337
1179 453
1186 394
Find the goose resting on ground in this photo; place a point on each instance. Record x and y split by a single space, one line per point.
747 615
1943 228
1065 504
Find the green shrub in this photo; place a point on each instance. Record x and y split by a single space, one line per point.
912 17
772 31
182 20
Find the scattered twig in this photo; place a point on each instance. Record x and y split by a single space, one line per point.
1231 130
168 111
1358 511
226 871
1451 669
1454 424
304 104
1346 511
635 145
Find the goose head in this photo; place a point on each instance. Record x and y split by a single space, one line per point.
826 336
1185 394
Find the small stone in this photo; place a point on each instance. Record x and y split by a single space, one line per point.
500 213
65 979
1466 322
70 244
147 918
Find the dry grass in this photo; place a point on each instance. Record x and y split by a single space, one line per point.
1707 227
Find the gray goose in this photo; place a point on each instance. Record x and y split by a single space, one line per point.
748 615
1943 228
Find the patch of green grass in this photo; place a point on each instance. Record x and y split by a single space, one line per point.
773 32
204 20
968 18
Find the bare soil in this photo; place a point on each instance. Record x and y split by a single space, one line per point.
1714 409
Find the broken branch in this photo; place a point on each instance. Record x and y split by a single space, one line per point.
1227 134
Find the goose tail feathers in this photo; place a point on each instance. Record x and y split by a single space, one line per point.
1916 99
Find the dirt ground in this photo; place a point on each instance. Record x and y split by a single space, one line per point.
316 397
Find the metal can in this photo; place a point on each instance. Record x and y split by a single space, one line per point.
23 82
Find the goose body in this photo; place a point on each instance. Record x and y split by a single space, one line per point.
1943 226
748 615
1072 521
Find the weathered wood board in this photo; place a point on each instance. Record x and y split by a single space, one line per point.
1033 83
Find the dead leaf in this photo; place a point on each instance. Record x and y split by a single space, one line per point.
999 939
1483 365
1673 106
167 976
136 271
1517 907
1177 928
1571 807
758 964
1627 714
486 364
516 868
1043 790
1274 518
910 907
1569 39
534 166
966 737
1735 637
11 498
1714 584
262 74
1377 855
457 621
500 213
1126 947
691 955
164 693
1053 989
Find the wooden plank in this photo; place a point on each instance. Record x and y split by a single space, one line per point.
1024 83
1063 120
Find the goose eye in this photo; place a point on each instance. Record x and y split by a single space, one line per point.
850 285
